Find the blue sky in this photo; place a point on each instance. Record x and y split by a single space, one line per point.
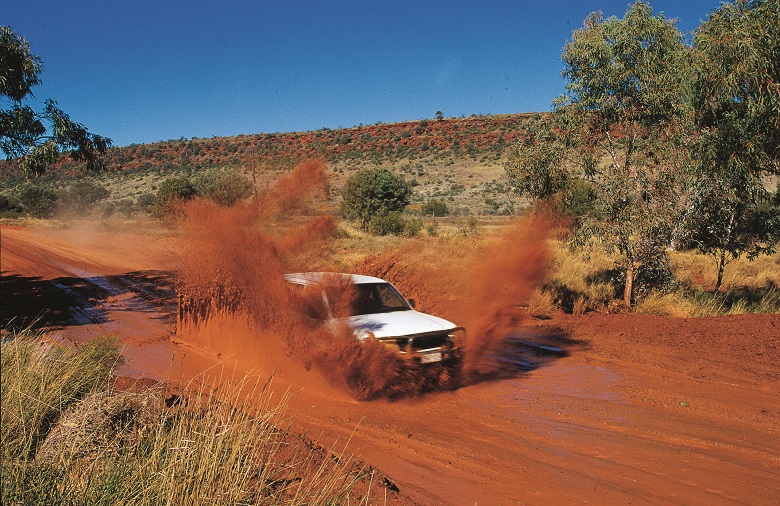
144 71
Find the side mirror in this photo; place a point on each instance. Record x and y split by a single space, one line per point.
411 303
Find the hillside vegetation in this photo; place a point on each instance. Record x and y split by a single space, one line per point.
459 160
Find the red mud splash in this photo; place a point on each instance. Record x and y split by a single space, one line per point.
481 287
234 300
232 296
293 193
369 371
496 287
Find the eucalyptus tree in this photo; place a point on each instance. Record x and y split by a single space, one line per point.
24 134
536 166
626 117
374 192
736 96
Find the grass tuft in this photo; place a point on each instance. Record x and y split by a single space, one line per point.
69 438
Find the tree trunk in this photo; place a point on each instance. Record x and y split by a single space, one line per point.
721 268
629 286
726 242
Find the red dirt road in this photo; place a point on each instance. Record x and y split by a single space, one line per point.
594 409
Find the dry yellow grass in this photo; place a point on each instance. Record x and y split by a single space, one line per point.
541 304
67 438
699 270
577 281
580 282
666 304
453 239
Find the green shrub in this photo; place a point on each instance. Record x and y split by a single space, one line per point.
146 202
83 195
37 201
412 227
107 209
224 188
125 207
171 192
435 208
374 192
9 207
386 224
470 228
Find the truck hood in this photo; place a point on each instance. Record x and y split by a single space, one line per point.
396 324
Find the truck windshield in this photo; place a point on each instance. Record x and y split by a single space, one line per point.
371 298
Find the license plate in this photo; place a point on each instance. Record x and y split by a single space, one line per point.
431 357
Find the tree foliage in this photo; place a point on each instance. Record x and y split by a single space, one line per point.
19 69
625 115
737 88
728 225
736 96
37 201
24 134
83 195
9 206
373 192
536 165
674 140
224 188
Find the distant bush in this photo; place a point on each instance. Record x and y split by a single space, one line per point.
435 207
412 227
374 193
224 188
171 192
146 202
37 201
125 207
9 207
107 209
470 228
394 223
386 224
82 196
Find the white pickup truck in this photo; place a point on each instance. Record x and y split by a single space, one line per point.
378 311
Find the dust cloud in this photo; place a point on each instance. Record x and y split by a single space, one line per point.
481 285
233 300
234 259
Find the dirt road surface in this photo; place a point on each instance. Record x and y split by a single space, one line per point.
617 409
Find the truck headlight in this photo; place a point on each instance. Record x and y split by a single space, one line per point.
457 337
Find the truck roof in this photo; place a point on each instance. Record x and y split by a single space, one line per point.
312 278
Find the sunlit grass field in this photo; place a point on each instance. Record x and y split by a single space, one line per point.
587 281
577 281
